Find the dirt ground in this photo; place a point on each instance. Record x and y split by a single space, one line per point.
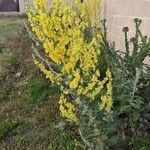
28 102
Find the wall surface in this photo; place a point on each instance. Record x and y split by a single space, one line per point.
120 13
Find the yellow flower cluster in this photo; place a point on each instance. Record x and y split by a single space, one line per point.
40 4
74 83
106 100
55 78
60 28
68 110
93 10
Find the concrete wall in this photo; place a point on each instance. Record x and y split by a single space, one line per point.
120 13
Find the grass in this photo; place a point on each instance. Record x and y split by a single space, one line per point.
28 102
11 27
7 127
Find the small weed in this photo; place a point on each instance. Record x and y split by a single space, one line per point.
33 139
9 61
7 126
6 55
141 143
65 143
40 89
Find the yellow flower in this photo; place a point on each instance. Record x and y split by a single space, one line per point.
74 83
106 100
40 4
68 110
78 100
93 9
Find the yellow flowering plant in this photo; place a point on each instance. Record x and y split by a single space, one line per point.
67 57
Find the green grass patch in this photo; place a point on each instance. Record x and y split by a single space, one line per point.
7 126
11 27
40 88
28 96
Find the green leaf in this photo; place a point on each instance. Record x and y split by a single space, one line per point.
136 116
